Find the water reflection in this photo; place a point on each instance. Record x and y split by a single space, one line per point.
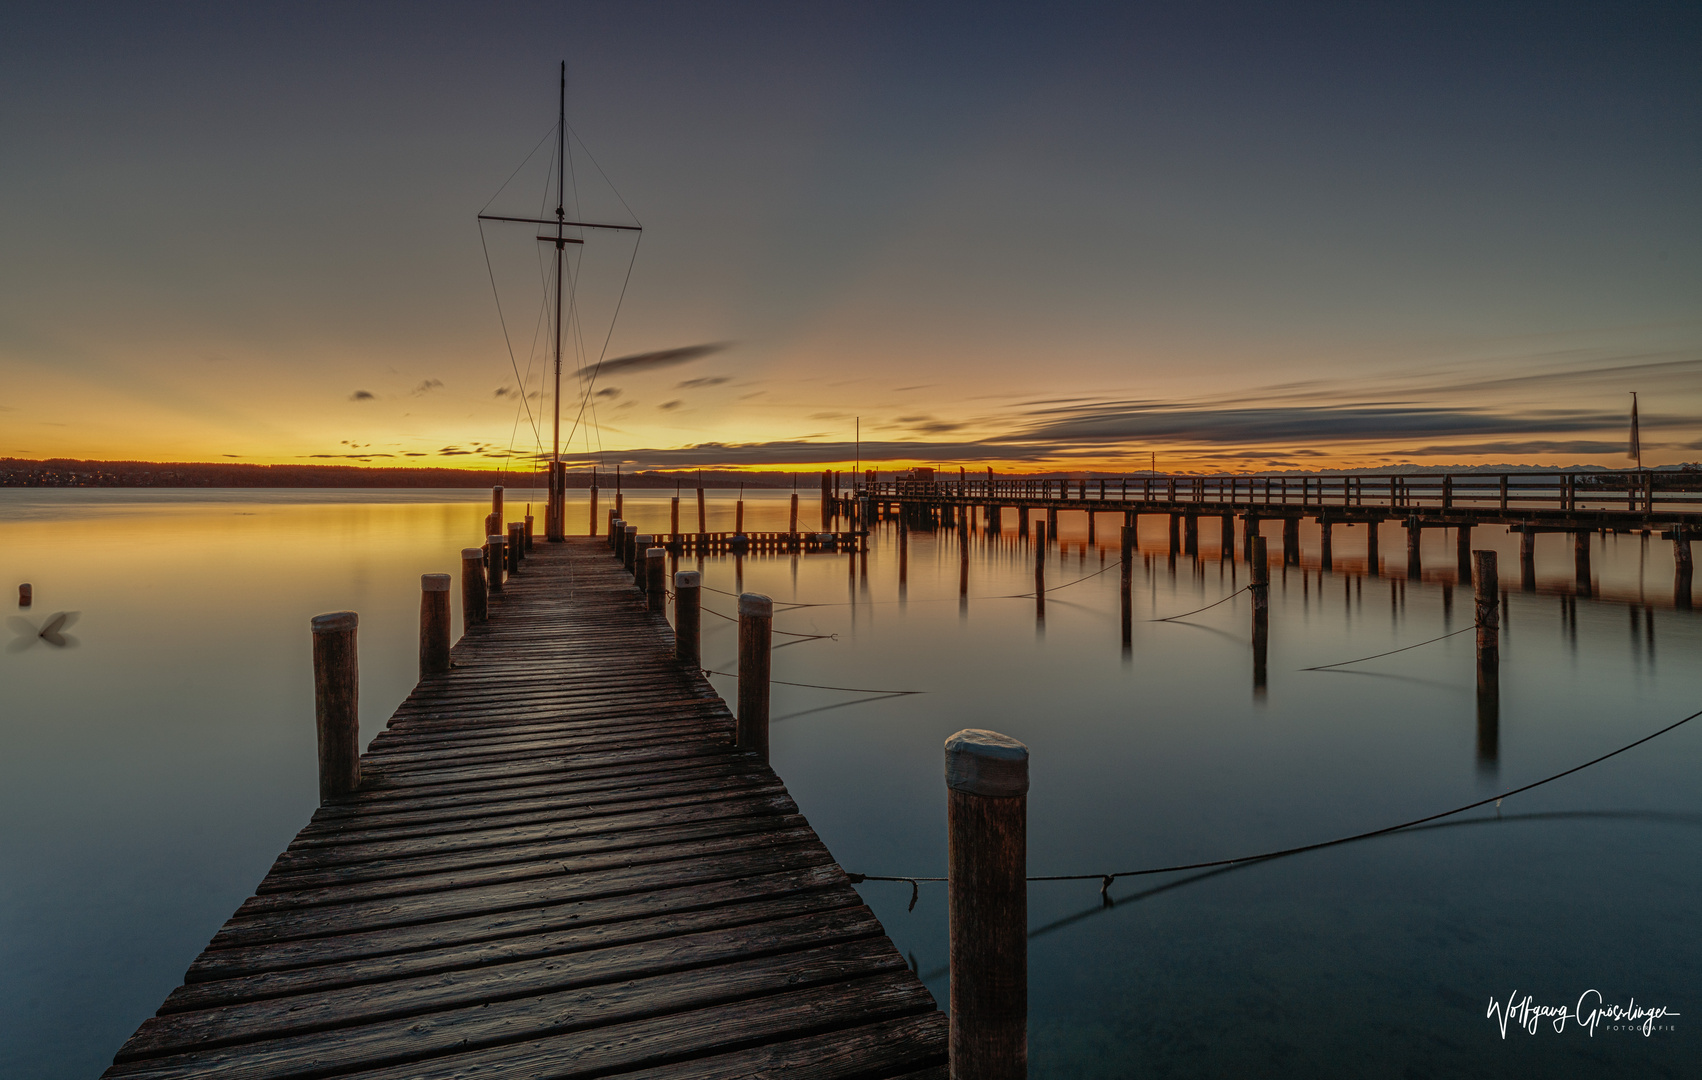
152 775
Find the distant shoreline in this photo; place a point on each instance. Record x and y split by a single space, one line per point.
74 472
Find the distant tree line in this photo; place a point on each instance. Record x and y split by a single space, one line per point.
72 472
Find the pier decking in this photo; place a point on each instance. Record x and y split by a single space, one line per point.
557 865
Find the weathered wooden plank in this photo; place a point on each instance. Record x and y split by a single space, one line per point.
321 1010
650 845
273 955
572 929
889 1049
492 1023
369 905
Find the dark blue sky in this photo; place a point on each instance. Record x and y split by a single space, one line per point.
1009 234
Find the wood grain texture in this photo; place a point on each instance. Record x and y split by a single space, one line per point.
557 864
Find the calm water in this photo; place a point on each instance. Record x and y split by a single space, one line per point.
151 772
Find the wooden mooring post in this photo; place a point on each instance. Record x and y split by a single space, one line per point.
516 545
1127 584
1326 552
473 598
1463 552
688 618
1486 597
1373 561
756 634
336 703
987 858
1040 570
1581 561
26 594
641 545
656 580
1260 587
434 624
496 561
593 526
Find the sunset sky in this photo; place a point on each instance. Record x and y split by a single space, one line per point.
1034 237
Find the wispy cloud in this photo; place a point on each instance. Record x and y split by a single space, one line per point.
650 360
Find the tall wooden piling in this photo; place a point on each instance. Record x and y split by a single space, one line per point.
1040 569
826 500
496 502
756 634
434 624
1291 541
1682 569
1415 539
792 521
1190 533
473 599
1052 524
987 858
1260 588
1022 521
1326 552
1463 552
739 518
674 521
1127 583
1175 532
963 562
1373 561
496 561
1486 597
1528 559
1226 538
593 526
1581 561
688 618
702 518
656 579
336 703
903 550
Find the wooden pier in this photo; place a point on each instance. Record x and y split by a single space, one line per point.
556 865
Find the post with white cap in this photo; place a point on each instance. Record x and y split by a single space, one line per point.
688 617
516 546
434 624
656 579
629 541
756 632
336 703
987 836
473 600
641 545
497 546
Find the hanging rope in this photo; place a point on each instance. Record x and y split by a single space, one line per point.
1208 607
815 686
1105 880
1391 652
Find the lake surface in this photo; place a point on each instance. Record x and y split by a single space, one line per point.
152 771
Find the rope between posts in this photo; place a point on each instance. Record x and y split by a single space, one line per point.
815 686
775 630
1106 879
1208 607
1391 652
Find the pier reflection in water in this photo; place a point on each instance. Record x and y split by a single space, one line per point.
152 773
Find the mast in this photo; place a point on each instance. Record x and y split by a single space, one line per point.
554 523
557 495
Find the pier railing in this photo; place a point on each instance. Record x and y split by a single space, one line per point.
1645 492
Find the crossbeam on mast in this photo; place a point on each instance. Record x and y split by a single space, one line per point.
569 224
